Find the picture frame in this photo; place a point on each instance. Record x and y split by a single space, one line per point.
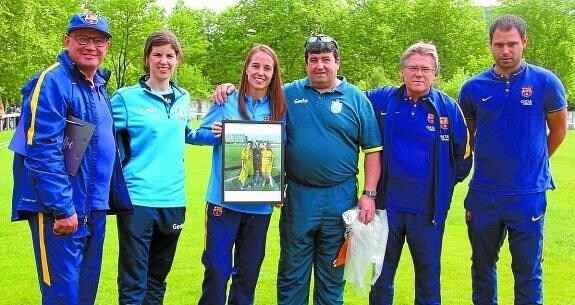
252 162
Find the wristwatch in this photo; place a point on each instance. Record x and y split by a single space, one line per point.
369 193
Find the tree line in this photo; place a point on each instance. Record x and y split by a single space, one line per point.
372 35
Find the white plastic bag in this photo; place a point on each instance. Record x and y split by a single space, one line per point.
366 248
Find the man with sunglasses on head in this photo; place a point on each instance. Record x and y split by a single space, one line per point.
329 121
425 153
66 210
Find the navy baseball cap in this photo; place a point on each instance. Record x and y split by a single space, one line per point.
89 21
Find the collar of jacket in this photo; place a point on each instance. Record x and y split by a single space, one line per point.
102 75
433 96
173 85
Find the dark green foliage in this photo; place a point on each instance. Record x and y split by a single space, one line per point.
372 35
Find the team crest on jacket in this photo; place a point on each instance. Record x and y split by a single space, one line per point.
181 114
217 211
91 18
336 106
444 122
526 91
430 118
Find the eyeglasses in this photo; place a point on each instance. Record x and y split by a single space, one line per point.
84 40
424 70
321 39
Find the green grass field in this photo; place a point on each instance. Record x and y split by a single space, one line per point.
18 281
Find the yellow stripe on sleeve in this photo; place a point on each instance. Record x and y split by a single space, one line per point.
34 102
372 150
467 146
467 143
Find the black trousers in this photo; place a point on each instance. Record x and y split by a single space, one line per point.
148 241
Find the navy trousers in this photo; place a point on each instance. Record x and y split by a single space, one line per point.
235 246
148 241
490 218
424 239
68 265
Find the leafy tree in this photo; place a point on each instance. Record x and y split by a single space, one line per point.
189 26
251 22
131 21
375 41
453 85
372 35
227 47
551 33
192 78
457 28
29 44
382 30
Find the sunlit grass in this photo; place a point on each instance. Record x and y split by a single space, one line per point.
18 281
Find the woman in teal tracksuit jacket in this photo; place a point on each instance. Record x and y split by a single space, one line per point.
153 120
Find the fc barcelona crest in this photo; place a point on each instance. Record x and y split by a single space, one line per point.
430 118
444 122
526 91
181 114
336 106
91 18
217 211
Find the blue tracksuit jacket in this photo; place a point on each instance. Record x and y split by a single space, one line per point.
453 155
41 183
258 111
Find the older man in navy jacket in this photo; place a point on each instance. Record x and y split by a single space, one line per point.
425 153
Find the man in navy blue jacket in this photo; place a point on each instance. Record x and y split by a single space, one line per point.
66 210
425 153
517 116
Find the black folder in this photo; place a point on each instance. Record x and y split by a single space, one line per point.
77 135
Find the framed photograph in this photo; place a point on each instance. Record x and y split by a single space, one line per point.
252 162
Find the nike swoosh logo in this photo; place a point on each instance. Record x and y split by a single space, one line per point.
536 218
485 99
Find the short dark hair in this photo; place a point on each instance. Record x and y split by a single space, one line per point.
507 23
315 45
158 39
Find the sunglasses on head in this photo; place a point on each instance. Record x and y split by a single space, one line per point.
320 39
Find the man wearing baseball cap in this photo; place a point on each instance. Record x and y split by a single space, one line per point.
66 210
89 21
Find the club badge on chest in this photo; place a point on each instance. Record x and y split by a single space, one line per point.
336 106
